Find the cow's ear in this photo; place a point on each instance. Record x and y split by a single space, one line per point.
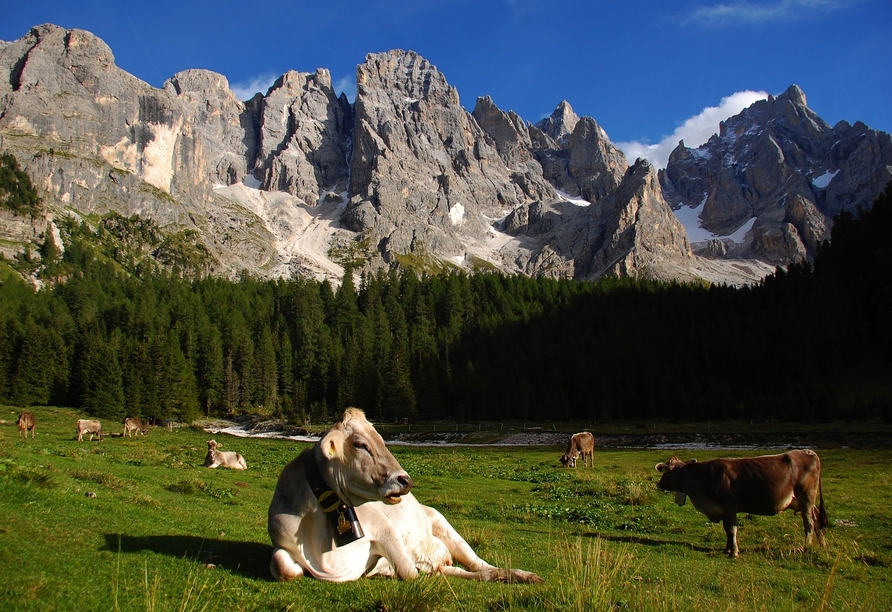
332 444
691 461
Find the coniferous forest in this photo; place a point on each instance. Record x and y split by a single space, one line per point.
117 337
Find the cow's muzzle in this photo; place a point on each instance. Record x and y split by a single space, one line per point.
402 485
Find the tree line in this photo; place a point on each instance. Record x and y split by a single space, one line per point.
153 343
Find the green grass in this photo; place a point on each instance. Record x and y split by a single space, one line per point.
139 524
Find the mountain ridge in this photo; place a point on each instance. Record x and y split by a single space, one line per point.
300 182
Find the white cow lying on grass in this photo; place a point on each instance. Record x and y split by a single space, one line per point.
216 458
342 510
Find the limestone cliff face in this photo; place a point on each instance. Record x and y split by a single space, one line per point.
304 130
630 232
643 237
424 174
782 167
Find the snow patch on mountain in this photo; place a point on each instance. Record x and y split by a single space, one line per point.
303 234
822 181
578 201
690 219
457 214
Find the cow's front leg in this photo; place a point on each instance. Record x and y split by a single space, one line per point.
729 521
391 547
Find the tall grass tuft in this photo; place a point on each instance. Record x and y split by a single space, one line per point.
590 574
424 594
196 596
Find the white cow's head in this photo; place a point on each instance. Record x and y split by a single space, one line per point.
357 465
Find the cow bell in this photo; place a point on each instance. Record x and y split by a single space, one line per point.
347 529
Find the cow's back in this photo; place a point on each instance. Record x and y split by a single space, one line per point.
763 485
585 442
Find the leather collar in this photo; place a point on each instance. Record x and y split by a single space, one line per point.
342 519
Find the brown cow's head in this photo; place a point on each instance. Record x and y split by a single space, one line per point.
568 460
669 480
357 465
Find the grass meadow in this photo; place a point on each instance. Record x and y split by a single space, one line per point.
140 524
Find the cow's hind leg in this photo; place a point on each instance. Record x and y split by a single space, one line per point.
729 522
283 567
461 552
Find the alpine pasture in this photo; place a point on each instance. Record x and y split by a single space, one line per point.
139 524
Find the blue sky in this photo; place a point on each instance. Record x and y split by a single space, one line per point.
643 69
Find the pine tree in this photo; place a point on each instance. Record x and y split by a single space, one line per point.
102 379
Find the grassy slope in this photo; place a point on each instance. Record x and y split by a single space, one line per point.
600 537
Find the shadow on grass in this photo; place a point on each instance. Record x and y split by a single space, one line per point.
249 559
632 539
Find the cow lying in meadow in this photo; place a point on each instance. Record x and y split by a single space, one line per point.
132 424
342 510
88 426
582 443
26 423
216 458
765 485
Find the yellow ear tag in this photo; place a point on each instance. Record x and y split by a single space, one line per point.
331 449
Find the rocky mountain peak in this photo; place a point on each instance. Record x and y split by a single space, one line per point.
197 81
770 182
794 95
405 76
508 131
594 162
560 124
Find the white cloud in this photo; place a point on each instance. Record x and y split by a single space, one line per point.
347 86
761 12
246 89
695 131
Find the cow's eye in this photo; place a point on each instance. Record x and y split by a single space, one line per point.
362 446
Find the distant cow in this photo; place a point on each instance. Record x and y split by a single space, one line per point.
132 424
86 426
25 423
342 510
765 485
216 458
582 443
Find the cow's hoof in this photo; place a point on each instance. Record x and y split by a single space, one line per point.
524 577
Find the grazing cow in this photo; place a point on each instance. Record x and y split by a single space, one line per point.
215 458
132 424
26 422
87 426
582 443
765 485
342 510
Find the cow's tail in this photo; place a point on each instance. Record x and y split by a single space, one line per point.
823 521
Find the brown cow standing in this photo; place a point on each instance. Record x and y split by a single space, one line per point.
26 422
582 443
767 485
